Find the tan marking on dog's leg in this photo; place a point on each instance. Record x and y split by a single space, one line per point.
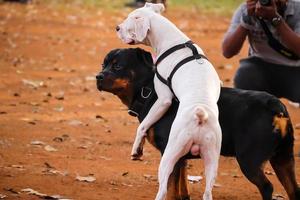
285 171
280 123
150 136
172 191
177 184
183 182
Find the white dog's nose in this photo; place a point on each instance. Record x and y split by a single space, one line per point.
117 28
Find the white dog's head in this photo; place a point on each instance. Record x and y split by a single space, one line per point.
135 28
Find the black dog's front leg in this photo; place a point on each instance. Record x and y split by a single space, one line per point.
177 185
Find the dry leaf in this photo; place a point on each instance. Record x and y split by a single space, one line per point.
17 166
59 108
11 190
90 78
44 196
49 166
125 184
61 139
34 84
194 179
60 95
217 185
37 142
147 176
105 158
51 171
33 192
125 173
50 148
75 122
88 179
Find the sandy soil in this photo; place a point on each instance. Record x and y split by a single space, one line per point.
55 125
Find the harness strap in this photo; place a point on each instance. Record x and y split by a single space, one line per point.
195 56
184 61
175 48
276 45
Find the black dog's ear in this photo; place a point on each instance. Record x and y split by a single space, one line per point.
145 57
112 54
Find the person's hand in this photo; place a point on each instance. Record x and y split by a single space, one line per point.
246 22
251 6
266 12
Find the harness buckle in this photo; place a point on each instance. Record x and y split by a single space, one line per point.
133 113
200 60
144 93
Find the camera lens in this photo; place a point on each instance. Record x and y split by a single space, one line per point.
265 2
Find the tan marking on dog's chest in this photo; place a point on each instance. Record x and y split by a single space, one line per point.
280 123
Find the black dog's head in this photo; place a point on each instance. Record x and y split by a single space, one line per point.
124 72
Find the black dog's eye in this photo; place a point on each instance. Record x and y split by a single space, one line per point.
102 65
117 67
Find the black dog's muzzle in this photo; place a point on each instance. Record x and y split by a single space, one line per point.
100 77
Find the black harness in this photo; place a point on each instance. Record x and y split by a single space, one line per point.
140 99
195 56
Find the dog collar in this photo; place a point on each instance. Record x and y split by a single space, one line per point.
140 100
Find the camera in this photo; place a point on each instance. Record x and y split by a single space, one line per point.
265 2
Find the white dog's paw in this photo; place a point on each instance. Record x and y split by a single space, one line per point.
136 154
137 149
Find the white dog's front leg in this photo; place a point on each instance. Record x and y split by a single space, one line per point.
158 109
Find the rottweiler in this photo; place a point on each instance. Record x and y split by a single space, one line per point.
256 126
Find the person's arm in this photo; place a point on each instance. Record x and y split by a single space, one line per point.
288 37
234 41
237 33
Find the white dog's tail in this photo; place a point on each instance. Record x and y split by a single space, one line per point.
201 115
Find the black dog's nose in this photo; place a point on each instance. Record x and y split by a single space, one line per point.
100 77
117 28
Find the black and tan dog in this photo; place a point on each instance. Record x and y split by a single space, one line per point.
256 127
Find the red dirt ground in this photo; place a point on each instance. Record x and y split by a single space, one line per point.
48 59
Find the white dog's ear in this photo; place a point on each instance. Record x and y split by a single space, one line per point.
156 7
142 25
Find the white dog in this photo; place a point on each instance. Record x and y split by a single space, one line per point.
197 87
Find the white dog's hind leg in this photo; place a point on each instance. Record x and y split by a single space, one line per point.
210 153
172 154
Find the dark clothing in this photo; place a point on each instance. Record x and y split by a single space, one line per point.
257 74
